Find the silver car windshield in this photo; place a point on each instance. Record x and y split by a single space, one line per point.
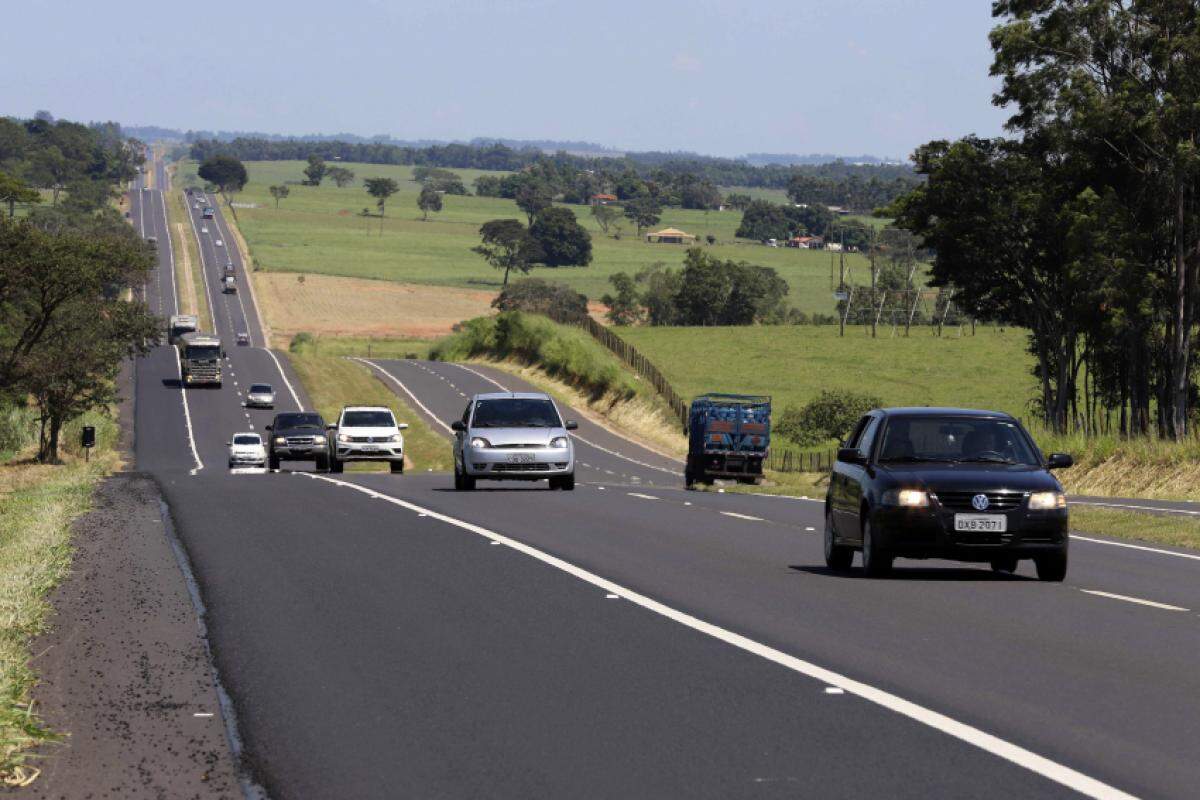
368 419
516 412
260 388
247 440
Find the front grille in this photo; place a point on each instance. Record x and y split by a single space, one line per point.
997 501
299 441
520 446
520 468
369 439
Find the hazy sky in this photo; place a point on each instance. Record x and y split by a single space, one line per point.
721 77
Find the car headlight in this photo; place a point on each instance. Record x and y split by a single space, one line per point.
343 437
1046 501
395 437
280 440
558 443
318 440
909 498
479 443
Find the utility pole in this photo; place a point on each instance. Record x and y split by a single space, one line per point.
842 284
874 322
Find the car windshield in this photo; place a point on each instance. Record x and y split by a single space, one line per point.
247 438
368 419
299 421
514 412
260 388
955 439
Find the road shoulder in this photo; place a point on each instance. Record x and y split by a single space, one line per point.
124 670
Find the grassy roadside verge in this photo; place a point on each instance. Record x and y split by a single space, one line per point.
367 347
37 506
192 297
333 381
1174 529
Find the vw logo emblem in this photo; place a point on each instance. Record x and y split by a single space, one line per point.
979 502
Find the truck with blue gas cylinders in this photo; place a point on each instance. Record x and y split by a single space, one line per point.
729 436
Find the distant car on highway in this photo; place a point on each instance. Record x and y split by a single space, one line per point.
219 243
243 338
513 436
368 433
298 436
261 395
145 188
945 483
152 240
247 450
204 229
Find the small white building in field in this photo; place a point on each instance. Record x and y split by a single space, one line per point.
834 246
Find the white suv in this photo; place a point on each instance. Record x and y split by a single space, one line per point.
368 433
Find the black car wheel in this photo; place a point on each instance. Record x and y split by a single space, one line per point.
1006 564
1052 567
273 462
837 556
336 466
564 482
877 562
397 467
688 480
322 463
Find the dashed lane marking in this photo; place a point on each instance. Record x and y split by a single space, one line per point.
1139 601
962 731
740 516
396 381
642 496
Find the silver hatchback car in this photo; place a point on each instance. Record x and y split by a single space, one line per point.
513 436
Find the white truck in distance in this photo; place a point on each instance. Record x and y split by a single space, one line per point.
367 433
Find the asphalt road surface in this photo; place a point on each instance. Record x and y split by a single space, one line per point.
385 636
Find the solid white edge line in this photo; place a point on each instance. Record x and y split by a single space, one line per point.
412 396
1138 600
187 414
1157 510
573 434
1075 537
283 375
969 734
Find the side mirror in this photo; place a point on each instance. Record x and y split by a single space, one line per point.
458 426
571 425
270 428
331 427
229 444
1059 461
850 455
401 426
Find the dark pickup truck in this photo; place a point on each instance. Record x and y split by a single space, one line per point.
298 437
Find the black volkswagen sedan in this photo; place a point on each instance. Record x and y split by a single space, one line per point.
945 483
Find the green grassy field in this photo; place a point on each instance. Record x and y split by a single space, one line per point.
317 229
794 363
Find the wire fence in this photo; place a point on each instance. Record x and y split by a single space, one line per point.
781 460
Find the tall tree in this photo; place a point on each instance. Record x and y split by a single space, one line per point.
605 216
341 176
644 212
507 245
564 242
227 173
381 189
430 199
315 170
13 190
533 197
279 193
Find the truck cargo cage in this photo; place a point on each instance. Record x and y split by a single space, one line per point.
729 436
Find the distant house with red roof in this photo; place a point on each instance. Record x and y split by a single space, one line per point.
602 199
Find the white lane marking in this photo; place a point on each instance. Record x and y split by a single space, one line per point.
212 306
687 502
834 690
187 415
170 251
1138 600
741 516
642 496
1157 510
611 596
283 375
969 734
1077 538
396 380
202 714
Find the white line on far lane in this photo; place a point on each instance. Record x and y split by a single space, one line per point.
1138 600
643 496
1052 770
741 516
396 381
1155 509
1193 556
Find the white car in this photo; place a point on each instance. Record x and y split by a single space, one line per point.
261 395
247 450
219 243
368 433
204 230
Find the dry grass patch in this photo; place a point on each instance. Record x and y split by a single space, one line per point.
330 306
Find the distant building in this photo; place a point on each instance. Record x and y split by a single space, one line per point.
806 242
670 236
839 210
834 246
603 199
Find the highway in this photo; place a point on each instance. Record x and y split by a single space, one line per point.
383 636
